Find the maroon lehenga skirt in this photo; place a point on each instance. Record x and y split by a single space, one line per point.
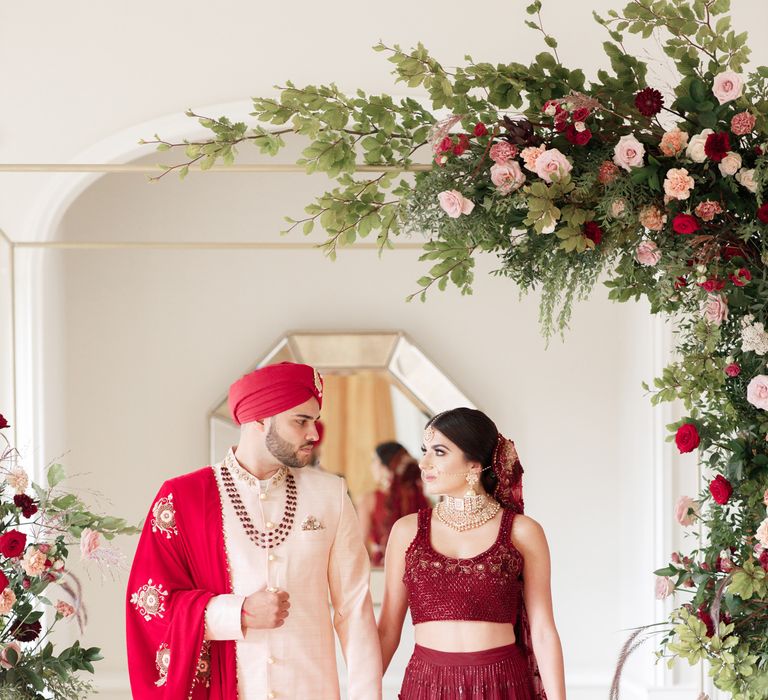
493 674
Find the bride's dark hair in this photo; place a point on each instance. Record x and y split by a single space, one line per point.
475 434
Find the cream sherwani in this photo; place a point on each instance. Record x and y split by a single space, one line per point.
326 573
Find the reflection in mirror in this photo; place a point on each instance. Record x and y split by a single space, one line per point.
380 389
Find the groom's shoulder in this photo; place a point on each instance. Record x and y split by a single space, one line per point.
318 480
191 484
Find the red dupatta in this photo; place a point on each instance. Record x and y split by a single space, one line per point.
509 493
180 564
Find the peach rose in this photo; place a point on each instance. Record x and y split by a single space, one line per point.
686 510
452 203
552 162
530 155
33 562
762 534
715 309
4 662
648 254
7 601
664 587
746 178
695 150
673 142
765 498
628 152
607 172
730 164
757 392
64 609
90 541
652 218
708 210
727 86
678 183
507 176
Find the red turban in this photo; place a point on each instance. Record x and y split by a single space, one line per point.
272 390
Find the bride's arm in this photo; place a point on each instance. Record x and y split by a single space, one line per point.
395 603
529 538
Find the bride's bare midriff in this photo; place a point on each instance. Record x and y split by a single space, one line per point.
463 635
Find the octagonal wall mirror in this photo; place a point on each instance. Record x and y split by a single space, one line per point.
380 387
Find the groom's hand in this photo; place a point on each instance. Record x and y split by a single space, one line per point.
265 609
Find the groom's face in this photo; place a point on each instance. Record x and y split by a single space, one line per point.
292 434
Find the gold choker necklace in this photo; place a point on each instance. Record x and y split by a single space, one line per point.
468 512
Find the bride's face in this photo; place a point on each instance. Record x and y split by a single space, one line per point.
443 466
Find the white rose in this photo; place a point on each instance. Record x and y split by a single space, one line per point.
695 150
730 164
746 178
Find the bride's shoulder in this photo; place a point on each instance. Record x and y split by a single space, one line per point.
405 528
527 533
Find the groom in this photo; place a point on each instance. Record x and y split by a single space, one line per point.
239 564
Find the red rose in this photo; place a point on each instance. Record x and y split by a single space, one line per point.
580 115
685 224
445 145
741 277
758 151
762 214
561 125
721 489
713 284
577 138
4 423
12 543
717 146
26 631
26 504
681 282
462 145
703 614
480 129
763 559
687 438
731 251
733 369
3 582
593 232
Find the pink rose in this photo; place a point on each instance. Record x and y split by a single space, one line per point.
665 587
4 662
452 203
762 534
724 561
502 151
90 541
732 369
686 510
715 309
552 162
673 142
678 183
765 498
727 86
629 152
652 218
757 392
530 155
743 123
507 176
648 254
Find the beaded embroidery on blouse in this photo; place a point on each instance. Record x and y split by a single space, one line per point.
487 587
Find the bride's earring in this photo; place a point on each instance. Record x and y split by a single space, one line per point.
472 480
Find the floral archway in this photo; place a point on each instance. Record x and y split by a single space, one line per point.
565 180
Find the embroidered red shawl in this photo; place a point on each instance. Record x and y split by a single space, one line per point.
180 564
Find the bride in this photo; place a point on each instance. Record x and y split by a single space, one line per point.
475 573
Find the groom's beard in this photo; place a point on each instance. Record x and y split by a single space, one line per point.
284 452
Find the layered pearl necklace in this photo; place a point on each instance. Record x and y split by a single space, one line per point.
467 512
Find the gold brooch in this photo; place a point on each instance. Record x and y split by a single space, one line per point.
318 382
312 523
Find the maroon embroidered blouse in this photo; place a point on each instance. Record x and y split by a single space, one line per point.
487 587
